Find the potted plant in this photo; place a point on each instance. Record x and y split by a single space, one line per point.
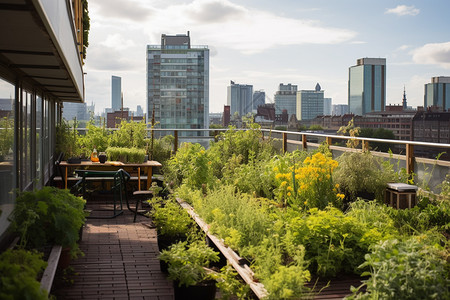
48 216
68 141
188 268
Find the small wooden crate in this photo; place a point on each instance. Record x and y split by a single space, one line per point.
400 195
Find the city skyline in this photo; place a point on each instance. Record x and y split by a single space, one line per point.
264 43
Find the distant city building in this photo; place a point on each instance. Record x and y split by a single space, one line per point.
215 118
310 103
285 99
437 93
367 86
75 110
178 84
434 127
113 119
266 112
393 118
139 111
340 109
226 116
6 107
116 93
327 106
240 98
259 98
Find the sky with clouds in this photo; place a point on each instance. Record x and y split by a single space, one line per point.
265 43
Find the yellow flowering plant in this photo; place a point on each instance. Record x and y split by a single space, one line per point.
309 184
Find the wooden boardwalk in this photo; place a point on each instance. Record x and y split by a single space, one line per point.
120 262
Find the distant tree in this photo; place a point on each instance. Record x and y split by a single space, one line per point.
280 127
315 127
379 133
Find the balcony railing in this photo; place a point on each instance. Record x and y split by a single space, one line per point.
423 164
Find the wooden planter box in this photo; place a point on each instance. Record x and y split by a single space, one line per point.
400 195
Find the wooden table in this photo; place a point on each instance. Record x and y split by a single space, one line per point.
148 165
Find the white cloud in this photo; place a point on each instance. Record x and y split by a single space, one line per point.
117 41
436 54
119 9
403 10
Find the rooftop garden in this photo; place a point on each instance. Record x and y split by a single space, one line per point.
299 216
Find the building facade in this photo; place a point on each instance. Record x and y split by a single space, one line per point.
178 84
286 99
327 106
340 109
116 93
240 98
367 86
437 93
41 66
310 103
259 98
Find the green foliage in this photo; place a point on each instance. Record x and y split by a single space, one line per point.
130 134
379 133
336 242
315 128
19 270
48 216
126 155
190 166
350 130
6 135
170 218
187 261
162 149
95 137
230 286
287 282
68 140
409 269
362 172
244 143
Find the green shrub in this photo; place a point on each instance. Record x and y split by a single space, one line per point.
19 271
187 262
48 216
410 269
126 155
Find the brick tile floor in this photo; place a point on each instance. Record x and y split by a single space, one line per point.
120 261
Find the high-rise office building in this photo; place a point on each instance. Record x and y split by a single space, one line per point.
367 86
327 106
116 93
285 99
310 103
178 84
437 93
240 98
259 98
340 109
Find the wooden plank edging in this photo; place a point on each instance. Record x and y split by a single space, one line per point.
243 270
49 273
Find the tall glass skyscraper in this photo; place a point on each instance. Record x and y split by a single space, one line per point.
437 93
178 84
240 98
367 86
116 93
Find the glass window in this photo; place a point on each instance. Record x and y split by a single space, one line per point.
7 173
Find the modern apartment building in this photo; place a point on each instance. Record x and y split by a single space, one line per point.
41 66
437 93
286 99
367 86
240 98
116 93
310 103
178 84
327 106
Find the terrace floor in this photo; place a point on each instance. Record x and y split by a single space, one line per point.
120 261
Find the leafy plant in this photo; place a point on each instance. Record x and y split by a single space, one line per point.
187 262
230 286
130 135
20 270
6 136
95 137
48 216
68 139
126 155
408 269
